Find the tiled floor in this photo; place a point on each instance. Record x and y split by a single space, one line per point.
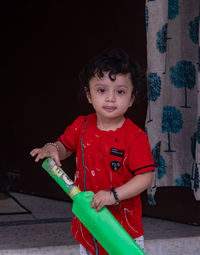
48 231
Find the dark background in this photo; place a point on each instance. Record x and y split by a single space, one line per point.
44 46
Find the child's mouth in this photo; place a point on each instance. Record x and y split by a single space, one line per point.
109 108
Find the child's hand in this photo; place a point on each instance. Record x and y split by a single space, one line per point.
44 152
101 198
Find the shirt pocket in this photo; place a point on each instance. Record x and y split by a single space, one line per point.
116 157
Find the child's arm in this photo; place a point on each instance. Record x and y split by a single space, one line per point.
135 186
56 151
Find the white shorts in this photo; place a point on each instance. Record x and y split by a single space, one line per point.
139 242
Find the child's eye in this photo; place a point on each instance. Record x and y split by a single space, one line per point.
120 92
101 90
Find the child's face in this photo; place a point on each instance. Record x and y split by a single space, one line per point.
110 99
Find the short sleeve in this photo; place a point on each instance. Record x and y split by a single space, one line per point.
140 156
70 137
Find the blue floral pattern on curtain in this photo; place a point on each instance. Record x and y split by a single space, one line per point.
173 80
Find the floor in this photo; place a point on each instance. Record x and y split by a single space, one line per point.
47 230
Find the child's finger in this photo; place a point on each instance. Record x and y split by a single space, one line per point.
55 157
57 160
34 152
93 203
41 155
99 206
96 203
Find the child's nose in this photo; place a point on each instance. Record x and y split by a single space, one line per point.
110 96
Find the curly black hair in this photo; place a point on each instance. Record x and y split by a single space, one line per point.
115 61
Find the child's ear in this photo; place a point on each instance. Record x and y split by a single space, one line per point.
132 100
87 92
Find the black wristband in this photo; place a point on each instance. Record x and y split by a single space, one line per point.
115 196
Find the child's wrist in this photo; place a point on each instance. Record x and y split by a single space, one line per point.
52 144
113 191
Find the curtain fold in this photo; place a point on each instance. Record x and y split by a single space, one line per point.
173 79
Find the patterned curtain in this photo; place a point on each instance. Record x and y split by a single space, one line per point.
173 78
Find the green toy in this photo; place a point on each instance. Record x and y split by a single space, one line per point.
102 225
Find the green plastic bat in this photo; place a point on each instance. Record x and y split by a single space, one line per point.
102 225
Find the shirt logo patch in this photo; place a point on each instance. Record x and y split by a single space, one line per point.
115 165
117 152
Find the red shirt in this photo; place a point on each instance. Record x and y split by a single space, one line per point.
106 159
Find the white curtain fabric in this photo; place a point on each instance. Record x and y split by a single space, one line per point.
173 79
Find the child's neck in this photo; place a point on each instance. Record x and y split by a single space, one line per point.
110 124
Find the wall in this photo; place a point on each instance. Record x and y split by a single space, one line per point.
45 44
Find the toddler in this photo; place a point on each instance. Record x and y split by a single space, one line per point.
113 155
